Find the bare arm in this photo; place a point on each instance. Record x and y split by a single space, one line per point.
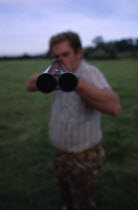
31 83
104 100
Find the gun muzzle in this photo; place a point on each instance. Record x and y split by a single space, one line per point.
68 81
56 77
46 83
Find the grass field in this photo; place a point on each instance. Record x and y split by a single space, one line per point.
27 177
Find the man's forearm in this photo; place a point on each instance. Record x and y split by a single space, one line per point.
104 100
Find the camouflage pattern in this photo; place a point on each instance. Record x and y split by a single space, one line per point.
77 174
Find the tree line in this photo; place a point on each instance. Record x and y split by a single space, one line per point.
99 49
125 48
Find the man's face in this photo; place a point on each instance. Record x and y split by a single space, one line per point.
66 54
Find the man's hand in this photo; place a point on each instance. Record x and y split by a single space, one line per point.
104 100
31 83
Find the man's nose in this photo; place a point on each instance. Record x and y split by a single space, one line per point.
61 58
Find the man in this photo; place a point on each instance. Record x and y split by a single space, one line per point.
75 124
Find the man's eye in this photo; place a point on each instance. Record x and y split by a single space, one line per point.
56 56
65 54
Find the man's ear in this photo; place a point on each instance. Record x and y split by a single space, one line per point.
79 52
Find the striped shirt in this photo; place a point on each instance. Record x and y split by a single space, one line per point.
74 124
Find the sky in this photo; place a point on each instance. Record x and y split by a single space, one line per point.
27 25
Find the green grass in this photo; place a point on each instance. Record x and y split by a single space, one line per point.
27 177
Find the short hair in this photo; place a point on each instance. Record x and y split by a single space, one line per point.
71 37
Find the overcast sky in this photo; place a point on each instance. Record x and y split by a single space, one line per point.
27 25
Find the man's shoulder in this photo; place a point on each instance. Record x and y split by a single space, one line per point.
89 67
93 75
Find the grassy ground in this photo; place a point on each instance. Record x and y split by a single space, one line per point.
27 177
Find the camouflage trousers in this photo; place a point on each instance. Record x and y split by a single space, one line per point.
77 174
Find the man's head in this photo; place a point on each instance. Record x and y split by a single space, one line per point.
67 47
